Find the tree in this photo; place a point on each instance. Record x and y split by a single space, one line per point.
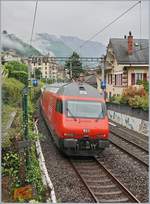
21 76
38 73
74 66
11 91
17 70
15 66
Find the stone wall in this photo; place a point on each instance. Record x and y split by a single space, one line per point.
137 124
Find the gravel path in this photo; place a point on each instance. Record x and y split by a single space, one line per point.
68 187
132 174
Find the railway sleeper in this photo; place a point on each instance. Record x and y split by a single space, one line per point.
100 177
98 181
95 173
108 193
83 168
110 196
103 187
122 200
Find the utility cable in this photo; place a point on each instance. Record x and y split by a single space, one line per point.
108 25
33 22
140 24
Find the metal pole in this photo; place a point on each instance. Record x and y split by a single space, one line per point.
70 69
103 76
102 67
25 112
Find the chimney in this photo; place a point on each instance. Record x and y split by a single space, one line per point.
130 44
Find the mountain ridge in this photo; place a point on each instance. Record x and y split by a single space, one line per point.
65 45
12 42
59 46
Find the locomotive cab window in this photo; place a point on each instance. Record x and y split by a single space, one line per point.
86 109
59 106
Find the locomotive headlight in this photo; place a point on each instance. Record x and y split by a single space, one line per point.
68 134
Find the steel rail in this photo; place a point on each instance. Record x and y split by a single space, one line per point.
128 196
119 184
140 160
131 142
139 136
85 183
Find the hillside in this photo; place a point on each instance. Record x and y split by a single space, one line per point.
64 45
11 42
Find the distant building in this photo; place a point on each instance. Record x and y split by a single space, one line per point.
126 62
7 56
48 66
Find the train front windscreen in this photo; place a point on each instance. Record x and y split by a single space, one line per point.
85 109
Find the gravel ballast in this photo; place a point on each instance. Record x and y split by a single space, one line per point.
129 172
68 187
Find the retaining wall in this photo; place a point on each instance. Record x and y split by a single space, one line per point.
133 119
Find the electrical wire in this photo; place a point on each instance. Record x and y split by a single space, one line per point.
140 11
33 21
34 25
93 36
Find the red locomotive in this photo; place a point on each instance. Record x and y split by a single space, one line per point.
77 118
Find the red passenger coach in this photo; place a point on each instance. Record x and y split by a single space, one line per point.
77 118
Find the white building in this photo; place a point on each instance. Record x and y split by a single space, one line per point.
48 66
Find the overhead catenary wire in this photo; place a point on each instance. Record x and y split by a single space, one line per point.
34 18
140 11
30 44
104 28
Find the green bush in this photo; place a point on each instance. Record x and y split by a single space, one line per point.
34 174
135 101
144 83
16 128
146 86
139 102
11 91
116 99
145 103
20 75
124 99
16 66
6 111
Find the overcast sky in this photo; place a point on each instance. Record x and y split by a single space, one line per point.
76 18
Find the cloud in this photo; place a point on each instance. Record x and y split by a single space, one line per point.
9 43
82 19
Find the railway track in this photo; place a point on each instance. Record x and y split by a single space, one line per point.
101 184
132 138
134 150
